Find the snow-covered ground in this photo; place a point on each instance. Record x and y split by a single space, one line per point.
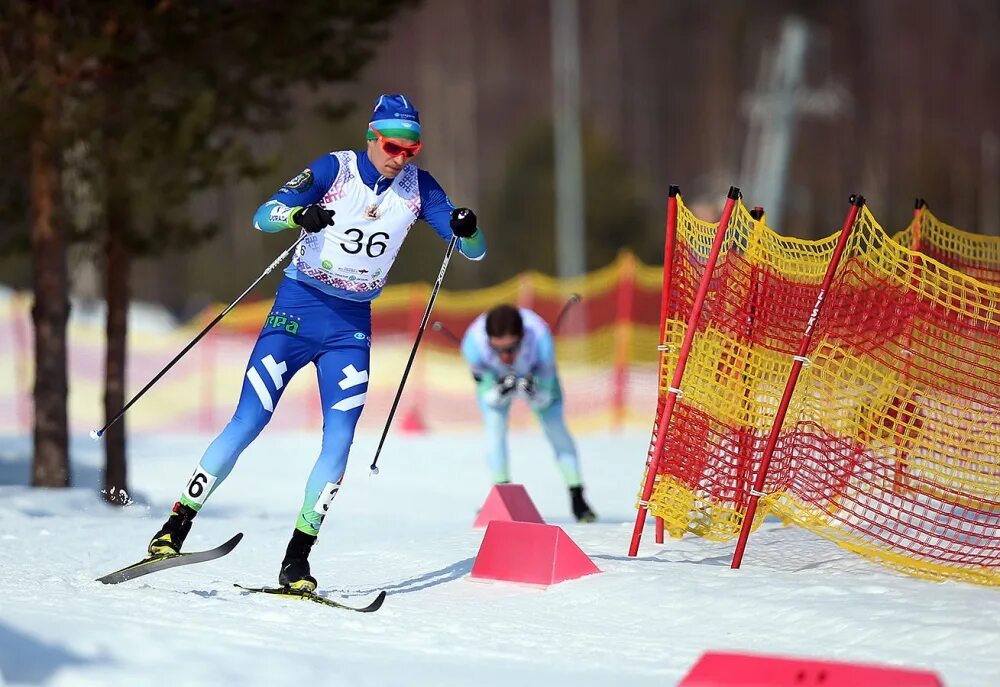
408 531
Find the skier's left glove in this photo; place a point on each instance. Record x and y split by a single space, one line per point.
526 385
463 222
538 397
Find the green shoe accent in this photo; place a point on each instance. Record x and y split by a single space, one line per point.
185 501
309 521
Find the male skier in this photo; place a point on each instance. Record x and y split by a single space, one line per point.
510 352
355 209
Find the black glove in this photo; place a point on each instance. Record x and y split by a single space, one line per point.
500 393
506 384
313 218
463 222
526 385
539 397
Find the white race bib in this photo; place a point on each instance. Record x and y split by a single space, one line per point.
356 253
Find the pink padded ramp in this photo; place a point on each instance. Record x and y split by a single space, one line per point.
507 502
412 423
716 669
530 553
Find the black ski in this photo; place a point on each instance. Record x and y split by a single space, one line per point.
313 596
169 560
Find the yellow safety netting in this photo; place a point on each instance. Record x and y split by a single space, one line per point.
891 443
977 255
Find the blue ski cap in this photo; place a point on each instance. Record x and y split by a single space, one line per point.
394 116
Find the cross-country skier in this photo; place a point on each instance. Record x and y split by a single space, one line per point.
511 353
355 208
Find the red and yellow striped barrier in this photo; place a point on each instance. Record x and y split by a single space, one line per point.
890 440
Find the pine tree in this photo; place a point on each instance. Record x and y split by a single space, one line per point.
166 100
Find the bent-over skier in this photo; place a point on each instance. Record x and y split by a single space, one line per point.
510 352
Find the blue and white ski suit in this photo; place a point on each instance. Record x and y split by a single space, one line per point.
535 358
322 310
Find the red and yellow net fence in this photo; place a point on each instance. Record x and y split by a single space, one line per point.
890 439
976 255
606 349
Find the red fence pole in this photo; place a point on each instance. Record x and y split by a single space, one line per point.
623 338
793 377
668 266
653 465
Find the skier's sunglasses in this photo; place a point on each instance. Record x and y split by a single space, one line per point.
512 348
395 149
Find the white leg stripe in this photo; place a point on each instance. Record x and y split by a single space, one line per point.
350 402
326 498
352 377
262 393
276 370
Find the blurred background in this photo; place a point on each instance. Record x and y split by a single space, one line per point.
893 99
139 138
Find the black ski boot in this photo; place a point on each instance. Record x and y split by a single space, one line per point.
581 509
295 567
171 536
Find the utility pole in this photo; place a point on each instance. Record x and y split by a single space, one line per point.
774 108
571 257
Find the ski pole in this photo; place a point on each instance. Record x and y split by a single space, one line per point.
439 327
574 298
96 434
413 351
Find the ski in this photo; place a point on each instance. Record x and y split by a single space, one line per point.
313 596
169 560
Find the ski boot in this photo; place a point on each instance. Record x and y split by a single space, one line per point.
171 536
581 509
294 572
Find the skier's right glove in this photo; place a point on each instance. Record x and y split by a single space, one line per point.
498 391
313 218
463 222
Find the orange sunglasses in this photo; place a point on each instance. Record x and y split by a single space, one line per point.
395 149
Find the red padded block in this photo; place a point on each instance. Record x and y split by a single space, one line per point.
716 669
529 553
412 422
507 502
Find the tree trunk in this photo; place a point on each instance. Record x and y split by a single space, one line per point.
48 253
117 263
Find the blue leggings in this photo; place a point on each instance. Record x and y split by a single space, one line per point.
304 325
496 420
